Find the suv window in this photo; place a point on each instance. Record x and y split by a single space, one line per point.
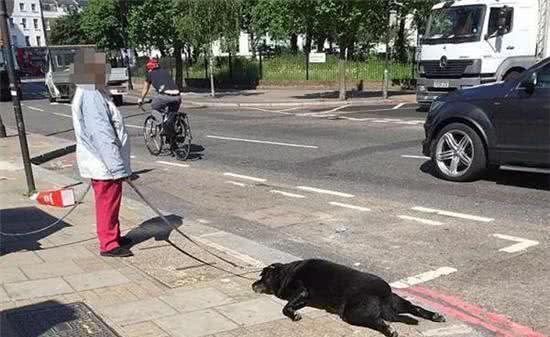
493 21
543 77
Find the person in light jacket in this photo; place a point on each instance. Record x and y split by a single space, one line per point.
102 149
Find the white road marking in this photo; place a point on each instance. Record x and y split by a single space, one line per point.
453 214
133 126
33 108
414 157
286 194
260 180
525 169
133 157
357 208
172 164
398 106
236 183
522 244
424 277
421 220
263 142
452 330
62 115
274 111
322 191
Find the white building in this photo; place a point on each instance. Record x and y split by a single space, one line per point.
26 27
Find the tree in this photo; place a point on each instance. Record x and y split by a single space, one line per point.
202 22
152 25
67 30
102 23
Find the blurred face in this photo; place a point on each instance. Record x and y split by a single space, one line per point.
89 68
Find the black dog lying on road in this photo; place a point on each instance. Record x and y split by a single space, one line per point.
359 298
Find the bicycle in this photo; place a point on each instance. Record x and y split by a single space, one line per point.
155 135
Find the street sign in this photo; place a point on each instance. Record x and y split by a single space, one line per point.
317 58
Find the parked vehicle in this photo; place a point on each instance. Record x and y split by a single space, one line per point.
472 42
5 94
505 123
60 74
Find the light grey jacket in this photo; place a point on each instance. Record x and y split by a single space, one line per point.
102 142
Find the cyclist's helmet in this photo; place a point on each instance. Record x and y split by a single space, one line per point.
152 64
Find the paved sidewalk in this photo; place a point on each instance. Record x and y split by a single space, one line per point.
287 97
159 292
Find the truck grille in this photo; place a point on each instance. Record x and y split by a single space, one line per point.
454 68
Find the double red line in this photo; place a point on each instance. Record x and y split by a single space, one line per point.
471 314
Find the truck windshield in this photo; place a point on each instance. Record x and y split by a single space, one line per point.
455 24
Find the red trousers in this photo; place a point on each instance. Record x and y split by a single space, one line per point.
108 195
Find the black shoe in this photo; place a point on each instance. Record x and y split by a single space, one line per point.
117 252
125 241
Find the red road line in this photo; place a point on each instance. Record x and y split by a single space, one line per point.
469 313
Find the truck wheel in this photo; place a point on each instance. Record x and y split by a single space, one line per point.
515 74
117 99
458 153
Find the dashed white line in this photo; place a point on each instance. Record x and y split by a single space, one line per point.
522 244
421 220
357 208
421 278
133 126
286 194
322 191
236 183
33 108
234 175
133 157
62 115
398 106
414 157
172 164
453 214
263 142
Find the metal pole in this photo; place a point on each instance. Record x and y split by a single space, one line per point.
15 98
387 56
126 56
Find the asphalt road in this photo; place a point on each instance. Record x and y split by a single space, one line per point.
351 185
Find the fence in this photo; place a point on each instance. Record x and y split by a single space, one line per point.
289 68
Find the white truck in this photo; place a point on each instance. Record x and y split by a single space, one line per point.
473 42
59 77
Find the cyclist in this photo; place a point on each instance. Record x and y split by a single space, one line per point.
168 98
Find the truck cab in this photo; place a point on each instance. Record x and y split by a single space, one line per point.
473 42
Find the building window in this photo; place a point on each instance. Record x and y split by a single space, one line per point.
11 22
14 40
47 24
33 7
35 21
28 41
38 41
21 7
24 23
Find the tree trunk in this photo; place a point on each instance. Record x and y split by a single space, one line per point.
179 66
401 43
320 43
307 50
230 67
211 59
253 45
342 74
294 43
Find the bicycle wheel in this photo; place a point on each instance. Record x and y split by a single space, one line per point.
152 135
183 137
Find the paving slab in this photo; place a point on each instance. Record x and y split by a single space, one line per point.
3 295
196 324
63 254
19 259
11 274
94 280
51 269
257 311
198 299
137 311
37 288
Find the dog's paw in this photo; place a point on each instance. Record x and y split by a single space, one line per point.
438 318
296 317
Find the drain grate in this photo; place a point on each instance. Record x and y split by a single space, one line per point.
58 320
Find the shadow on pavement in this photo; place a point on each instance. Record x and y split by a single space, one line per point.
154 228
23 220
536 181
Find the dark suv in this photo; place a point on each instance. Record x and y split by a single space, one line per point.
506 123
